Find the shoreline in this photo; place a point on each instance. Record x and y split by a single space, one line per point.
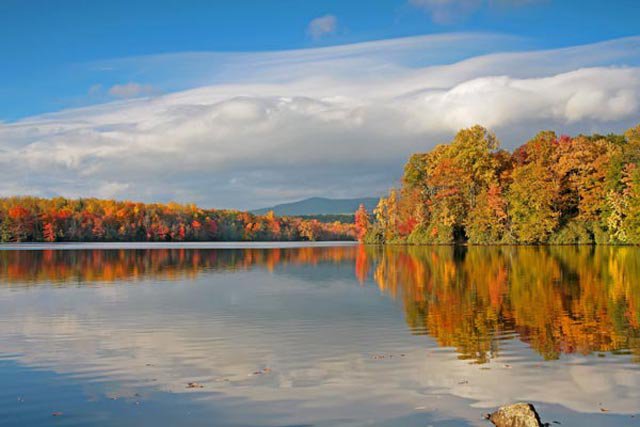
36 246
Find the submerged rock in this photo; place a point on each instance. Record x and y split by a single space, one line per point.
516 415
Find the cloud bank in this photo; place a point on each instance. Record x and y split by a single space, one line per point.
337 121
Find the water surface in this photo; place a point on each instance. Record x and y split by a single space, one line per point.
324 336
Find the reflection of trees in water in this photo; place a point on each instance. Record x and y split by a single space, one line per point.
557 299
85 266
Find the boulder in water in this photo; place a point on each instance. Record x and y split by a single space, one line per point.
516 415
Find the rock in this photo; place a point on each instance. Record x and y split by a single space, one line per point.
261 372
516 415
194 385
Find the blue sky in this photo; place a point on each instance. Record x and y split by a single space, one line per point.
43 43
243 104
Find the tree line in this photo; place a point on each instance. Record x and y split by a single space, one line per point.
551 190
32 219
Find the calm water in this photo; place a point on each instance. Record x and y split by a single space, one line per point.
323 336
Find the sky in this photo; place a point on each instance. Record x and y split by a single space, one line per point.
243 104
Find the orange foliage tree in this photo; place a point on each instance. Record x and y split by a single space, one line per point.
362 222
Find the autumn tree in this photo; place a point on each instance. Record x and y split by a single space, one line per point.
362 221
21 223
531 198
488 220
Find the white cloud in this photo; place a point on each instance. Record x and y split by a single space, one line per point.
322 26
336 121
451 11
596 94
130 90
447 11
110 190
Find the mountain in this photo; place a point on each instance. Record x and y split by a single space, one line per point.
320 206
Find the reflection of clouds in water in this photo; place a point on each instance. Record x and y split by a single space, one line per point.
317 338
552 383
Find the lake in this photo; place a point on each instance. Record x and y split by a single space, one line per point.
317 335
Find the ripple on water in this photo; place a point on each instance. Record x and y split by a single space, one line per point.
322 336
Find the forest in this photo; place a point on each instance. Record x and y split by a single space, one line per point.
551 190
31 219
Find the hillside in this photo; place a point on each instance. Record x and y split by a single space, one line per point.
320 206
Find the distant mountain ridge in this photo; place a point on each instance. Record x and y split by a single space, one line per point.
320 206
